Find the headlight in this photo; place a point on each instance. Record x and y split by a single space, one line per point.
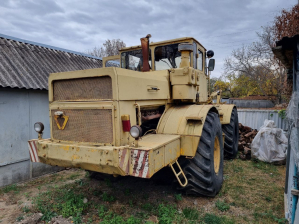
38 127
136 131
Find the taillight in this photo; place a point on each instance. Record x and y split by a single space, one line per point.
126 122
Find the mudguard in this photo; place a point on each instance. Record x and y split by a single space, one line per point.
225 111
186 121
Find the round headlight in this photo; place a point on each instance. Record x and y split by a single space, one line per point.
38 127
136 131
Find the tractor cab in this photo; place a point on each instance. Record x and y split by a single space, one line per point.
162 55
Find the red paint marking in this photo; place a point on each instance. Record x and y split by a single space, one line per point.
136 162
35 151
122 158
30 151
143 164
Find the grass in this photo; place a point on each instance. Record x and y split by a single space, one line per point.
14 188
178 197
214 219
252 192
222 206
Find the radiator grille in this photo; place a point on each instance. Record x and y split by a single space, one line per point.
88 125
92 88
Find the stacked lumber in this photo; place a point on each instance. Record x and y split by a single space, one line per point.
246 135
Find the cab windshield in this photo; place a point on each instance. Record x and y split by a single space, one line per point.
133 60
167 57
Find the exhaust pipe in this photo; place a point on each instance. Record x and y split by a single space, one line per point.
145 53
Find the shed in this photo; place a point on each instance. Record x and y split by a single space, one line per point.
287 51
24 70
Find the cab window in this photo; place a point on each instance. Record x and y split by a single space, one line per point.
167 57
200 61
133 60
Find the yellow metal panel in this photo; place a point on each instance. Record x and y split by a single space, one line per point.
184 92
225 110
172 151
154 151
203 86
140 86
188 144
159 159
155 141
177 121
182 76
82 74
101 159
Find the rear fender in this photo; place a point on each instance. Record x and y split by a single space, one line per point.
225 112
186 121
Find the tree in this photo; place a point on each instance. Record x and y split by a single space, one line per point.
109 48
256 63
287 24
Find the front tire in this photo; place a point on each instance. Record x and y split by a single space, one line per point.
205 170
231 132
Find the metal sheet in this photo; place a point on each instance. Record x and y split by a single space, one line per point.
91 88
19 110
255 118
85 125
26 64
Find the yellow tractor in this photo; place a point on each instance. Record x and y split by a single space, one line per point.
153 110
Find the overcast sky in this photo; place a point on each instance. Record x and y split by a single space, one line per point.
220 25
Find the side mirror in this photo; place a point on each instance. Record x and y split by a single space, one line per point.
211 64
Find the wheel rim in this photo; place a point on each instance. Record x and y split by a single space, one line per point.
216 155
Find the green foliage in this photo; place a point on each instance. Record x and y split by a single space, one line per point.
102 211
81 182
112 218
133 220
19 218
47 215
214 219
191 214
127 192
108 197
9 188
108 182
178 197
26 209
97 192
147 206
222 206
269 215
166 214
77 219
74 176
131 203
282 114
109 217
265 167
66 202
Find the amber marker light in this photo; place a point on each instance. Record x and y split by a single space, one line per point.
126 122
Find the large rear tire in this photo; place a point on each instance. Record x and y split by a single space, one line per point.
231 132
205 170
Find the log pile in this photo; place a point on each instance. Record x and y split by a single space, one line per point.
246 134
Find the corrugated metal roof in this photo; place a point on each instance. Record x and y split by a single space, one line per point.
25 64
